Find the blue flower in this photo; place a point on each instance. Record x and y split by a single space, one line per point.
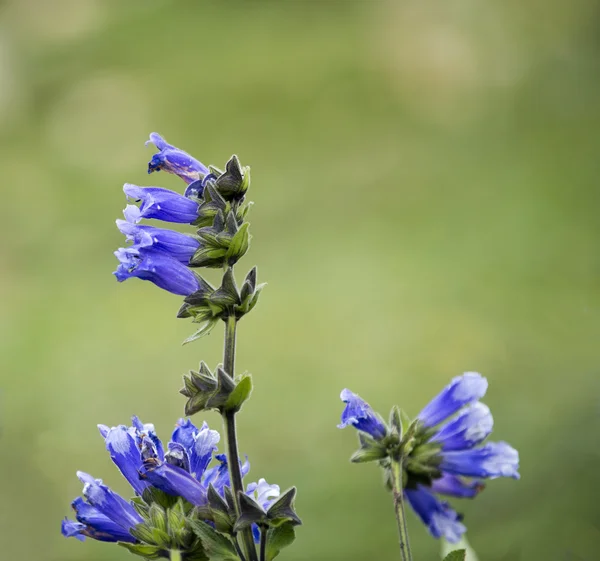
461 391
359 414
138 453
439 518
156 266
159 203
175 244
174 160
467 424
264 495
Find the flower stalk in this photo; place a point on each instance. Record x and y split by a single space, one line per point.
405 553
231 436
175 555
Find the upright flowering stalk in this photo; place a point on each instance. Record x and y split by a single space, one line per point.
184 509
441 452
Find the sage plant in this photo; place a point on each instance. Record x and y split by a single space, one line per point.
189 501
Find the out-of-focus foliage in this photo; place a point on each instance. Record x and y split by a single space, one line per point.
426 185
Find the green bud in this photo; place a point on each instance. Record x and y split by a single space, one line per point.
235 182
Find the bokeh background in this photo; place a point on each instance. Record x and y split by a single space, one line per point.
426 184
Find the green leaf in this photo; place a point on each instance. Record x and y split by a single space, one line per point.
278 538
240 394
217 546
204 330
463 545
147 551
456 555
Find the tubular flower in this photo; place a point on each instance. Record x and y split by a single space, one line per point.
176 161
361 416
154 265
264 495
137 452
159 203
445 448
177 245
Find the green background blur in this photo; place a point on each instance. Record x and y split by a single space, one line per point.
426 184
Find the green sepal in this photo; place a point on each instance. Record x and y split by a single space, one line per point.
152 495
456 555
396 421
370 450
177 522
141 507
143 533
283 510
145 550
250 513
249 285
204 330
227 294
219 511
278 538
217 546
239 245
234 183
240 393
158 517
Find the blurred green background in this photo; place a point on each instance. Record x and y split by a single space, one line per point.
426 184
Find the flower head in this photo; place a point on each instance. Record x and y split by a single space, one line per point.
174 160
361 416
183 471
442 451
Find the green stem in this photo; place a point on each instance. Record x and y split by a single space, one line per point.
175 555
405 552
233 455
263 543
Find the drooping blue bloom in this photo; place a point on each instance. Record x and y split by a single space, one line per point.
174 160
175 244
455 486
437 515
159 203
461 391
137 452
361 416
470 427
158 267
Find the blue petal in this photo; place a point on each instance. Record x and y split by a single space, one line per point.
175 244
70 529
98 526
218 476
463 390
263 493
174 160
113 506
174 481
184 433
456 487
496 459
440 519
164 271
359 414
177 456
472 425
147 429
201 451
256 533
161 204
126 455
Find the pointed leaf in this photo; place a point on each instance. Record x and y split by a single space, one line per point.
216 545
456 555
240 394
282 510
204 330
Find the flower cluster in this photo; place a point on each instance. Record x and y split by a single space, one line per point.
438 449
178 477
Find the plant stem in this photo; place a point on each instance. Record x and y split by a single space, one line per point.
405 552
263 543
175 555
233 455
